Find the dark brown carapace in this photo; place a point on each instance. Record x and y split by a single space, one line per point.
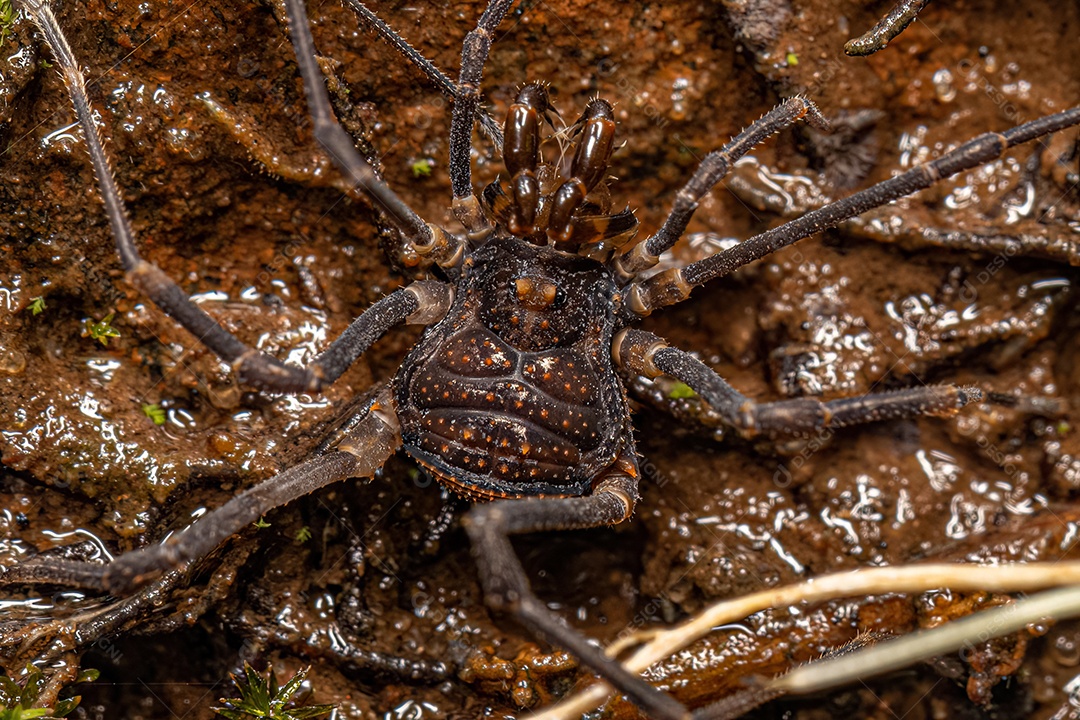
514 394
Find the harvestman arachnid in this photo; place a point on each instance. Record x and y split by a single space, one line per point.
511 397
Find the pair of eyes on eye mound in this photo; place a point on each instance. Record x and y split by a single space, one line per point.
535 292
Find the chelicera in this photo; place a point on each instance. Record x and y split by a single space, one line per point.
513 394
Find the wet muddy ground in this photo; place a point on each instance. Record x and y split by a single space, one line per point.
202 104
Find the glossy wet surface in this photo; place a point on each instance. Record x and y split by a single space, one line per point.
199 100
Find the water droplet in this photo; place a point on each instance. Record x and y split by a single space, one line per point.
943 86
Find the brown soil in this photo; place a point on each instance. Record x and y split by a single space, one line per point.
285 261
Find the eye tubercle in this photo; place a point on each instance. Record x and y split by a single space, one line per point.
535 293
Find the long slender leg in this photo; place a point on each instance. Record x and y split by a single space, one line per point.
712 170
336 141
506 587
439 79
646 354
36 637
1043 242
673 286
474 53
887 28
419 301
428 240
359 454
